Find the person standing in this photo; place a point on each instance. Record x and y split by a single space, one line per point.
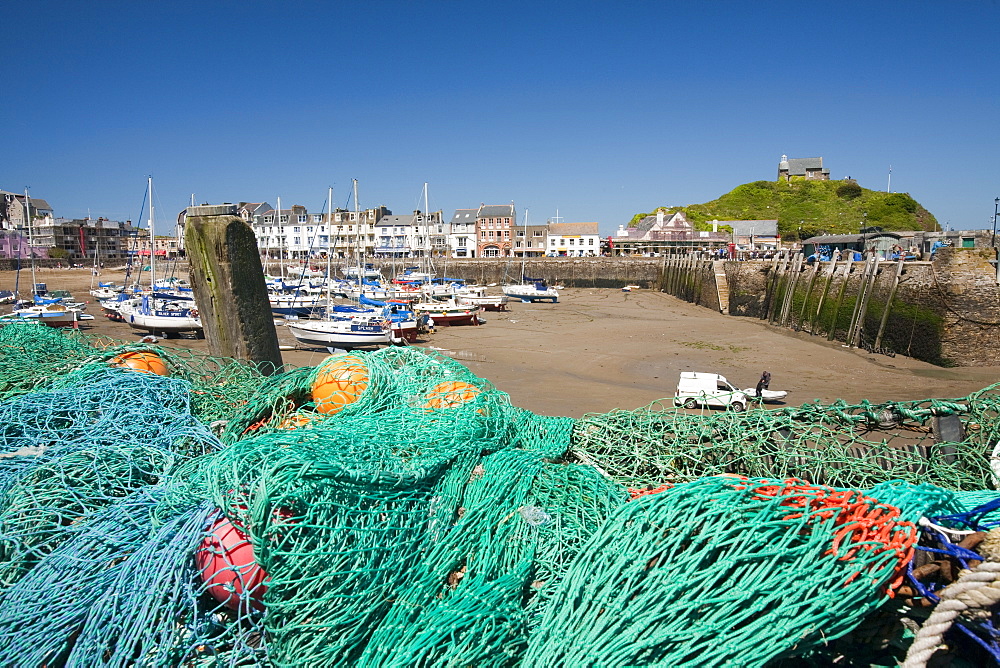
762 384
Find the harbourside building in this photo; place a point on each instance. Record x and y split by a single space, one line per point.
666 234
810 169
753 234
86 238
462 233
297 233
410 236
530 240
494 227
574 240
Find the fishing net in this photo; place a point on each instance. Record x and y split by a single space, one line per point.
161 507
947 443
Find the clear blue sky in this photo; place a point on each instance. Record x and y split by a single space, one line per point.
597 109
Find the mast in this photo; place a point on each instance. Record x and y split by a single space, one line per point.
357 221
152 238
329 223
427 224
281 252
31 242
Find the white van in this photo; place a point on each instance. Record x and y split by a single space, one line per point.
708 389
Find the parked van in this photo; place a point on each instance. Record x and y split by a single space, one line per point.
708 389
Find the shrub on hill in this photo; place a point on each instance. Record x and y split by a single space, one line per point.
806 208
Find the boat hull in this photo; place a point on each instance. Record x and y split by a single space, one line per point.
340 334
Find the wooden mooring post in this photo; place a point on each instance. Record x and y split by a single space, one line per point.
228 282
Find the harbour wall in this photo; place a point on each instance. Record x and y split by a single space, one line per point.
945 311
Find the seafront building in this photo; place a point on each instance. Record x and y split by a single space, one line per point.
462 233
667 234
494 225
574 240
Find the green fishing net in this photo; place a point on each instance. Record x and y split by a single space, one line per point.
390 508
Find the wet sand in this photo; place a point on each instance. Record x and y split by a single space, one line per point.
598 350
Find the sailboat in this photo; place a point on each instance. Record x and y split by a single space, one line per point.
159 312
530 289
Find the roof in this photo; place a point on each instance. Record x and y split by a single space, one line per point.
765 228
464 216
573 229
496 211
394 220
799 166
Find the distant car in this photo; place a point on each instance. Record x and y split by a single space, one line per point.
709 389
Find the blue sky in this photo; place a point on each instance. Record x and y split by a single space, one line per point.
597 109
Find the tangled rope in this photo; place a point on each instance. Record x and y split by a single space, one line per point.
974 593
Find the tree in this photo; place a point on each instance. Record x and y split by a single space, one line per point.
57 253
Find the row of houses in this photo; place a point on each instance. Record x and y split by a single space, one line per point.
485 231
97 239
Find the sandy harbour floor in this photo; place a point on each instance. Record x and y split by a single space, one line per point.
598 350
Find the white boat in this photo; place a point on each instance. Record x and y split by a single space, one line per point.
359 330
767 396
157 312
534 291
53 315
161 314
448 312
475 295
105 291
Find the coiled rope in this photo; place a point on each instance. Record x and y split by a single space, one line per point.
973 593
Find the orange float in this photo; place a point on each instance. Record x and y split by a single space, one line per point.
228 567
141 361
451 394
339 382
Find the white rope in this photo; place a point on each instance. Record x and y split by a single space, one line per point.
975 590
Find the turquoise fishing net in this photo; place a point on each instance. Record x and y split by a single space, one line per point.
401 512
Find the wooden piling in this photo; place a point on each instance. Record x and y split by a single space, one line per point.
228 282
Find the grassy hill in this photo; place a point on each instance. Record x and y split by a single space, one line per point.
807 208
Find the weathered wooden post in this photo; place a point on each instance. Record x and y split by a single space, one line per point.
228 282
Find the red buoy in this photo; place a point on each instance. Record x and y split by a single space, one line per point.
227 565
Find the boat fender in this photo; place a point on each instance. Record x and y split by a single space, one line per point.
193 312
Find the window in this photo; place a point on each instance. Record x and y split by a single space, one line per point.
462 242
283 219
506 234
571 242
536 233
298 240
268 219
590 241
309 229
552 242
562 242
303 219
317 218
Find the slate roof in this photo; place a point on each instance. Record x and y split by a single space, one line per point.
572 229
742 228
394 220
799 166
464 216
496 211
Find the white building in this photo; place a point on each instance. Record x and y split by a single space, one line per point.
574 240
462 233
413 235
